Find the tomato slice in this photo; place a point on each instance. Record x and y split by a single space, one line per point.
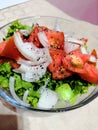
8 49
75 61
2 46
34 36
90 73
61 73
84 57
57 56
56 67
55 38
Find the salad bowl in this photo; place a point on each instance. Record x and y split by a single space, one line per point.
74 33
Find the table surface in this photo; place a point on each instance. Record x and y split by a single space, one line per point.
85 118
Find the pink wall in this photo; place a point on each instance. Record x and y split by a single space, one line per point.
81 9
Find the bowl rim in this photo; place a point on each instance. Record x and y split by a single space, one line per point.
40 16
14 103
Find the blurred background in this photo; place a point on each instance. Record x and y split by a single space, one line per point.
81 9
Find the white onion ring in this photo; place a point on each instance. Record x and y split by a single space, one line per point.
31 52
25 95
43 39
70 39
12 91
32 73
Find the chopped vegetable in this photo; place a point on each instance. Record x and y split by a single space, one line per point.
48 99
65 92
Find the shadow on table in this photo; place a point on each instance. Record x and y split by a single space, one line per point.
8 122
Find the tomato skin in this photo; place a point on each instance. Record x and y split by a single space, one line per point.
2 46
90 73
10 50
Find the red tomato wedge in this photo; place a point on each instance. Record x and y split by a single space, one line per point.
56 67
8 49
55 39
57 56
34 36
2 46
90 73
75 61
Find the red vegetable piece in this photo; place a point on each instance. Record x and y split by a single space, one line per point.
90 73
57 56
55 38
8 49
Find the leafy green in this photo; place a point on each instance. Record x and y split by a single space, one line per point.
65 92
33 97
5 69
78 85
16 25
4 82
5 72
20 85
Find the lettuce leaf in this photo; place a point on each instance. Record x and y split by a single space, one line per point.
16 25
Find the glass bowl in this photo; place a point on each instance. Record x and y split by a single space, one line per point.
70 27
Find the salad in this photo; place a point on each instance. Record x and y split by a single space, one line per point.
42 67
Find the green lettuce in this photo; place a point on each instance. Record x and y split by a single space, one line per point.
16 25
